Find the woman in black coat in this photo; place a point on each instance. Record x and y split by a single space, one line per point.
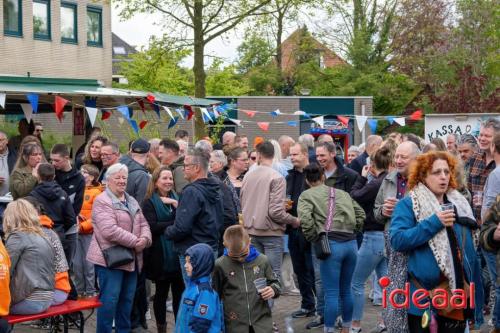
161 262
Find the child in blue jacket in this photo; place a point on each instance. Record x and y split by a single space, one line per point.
200 309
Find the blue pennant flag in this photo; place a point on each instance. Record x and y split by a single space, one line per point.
292 123
156 107
90 102
123 109
206 119
173 122
130 111
275 113
33 99
373 125
390 119
133 123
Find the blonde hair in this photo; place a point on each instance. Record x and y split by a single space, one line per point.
21 215
236 239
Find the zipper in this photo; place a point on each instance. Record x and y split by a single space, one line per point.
248 301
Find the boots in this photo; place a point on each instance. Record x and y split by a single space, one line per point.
161 328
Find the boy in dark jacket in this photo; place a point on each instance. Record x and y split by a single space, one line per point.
238 270
200 310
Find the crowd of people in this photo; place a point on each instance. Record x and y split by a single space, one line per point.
227 228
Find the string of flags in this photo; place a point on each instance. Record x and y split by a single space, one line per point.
209 114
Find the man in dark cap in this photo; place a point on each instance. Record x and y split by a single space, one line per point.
138 176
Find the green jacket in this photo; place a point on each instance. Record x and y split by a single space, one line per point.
21 182
488 229
313 210
243 307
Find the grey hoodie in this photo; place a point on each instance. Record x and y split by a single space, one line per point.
138 178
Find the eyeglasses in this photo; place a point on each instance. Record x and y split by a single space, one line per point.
242 159
188 165
107 155
39 130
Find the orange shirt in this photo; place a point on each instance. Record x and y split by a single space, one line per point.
4 281
85 218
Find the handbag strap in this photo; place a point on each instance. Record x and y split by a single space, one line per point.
331 209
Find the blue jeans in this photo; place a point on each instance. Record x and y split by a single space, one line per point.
117 290
28 307
370 257
336 275
318 285
491 263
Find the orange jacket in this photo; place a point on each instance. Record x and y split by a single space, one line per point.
85 217
4 281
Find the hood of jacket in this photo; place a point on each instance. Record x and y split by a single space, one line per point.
178 162
202 259
253 253
209 187
131 164
50 190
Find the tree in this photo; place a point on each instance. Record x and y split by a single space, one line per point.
225 81
203 21
254 51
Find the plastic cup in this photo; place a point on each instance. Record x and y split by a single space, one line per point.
447 206
260 284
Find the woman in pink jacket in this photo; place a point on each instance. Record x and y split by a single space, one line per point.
118 222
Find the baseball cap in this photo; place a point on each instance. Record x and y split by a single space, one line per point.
140 146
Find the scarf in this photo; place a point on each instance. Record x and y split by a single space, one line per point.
165 213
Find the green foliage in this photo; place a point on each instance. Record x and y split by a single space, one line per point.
254 51
225 81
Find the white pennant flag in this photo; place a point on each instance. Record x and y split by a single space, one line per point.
2 100
361 121
28 111
168 111
205 112
236 121
92 113
121 120
320 121
180 112
400 121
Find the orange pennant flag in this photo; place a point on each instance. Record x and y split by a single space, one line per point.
59 107
249 113
263 125
343 120
417 115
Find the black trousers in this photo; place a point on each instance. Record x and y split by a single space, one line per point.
141 305
444 325
176 283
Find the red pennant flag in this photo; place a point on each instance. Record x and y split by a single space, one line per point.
263 126
141 104
142 124
59 107
189 109
417 115
343 120
249 113
150 98
105 115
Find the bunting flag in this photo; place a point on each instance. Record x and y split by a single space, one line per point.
264 125
215 112
343 120
401 121
373 125
236 121
3 96
301 113
417 115
134 126
168 111
361 122
188 111
90 102
292 123
173 122
130 112
180 112
156 108
28 111
105 115
92 114
275 113
124 110
151 98
121 120
142 124
391 120
141 104
59 106
249 113
206 115
33 99
320 121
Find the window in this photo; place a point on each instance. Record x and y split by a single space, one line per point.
69 33
94 26
41 19
12 17
119 50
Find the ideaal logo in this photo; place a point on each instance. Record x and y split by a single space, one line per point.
421 298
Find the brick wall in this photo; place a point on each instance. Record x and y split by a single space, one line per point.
55 59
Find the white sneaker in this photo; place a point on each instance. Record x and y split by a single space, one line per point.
148 314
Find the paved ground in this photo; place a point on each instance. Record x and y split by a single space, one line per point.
284 306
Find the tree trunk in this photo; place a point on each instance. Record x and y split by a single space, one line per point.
279 37
199 67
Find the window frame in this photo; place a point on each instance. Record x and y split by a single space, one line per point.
48 36
95 9
74 6
19 32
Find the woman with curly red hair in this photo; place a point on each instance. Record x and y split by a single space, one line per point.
433 227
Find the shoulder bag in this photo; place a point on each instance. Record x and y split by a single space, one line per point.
322 245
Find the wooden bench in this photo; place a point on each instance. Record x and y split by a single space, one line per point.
64 310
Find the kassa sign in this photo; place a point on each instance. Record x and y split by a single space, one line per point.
441 125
